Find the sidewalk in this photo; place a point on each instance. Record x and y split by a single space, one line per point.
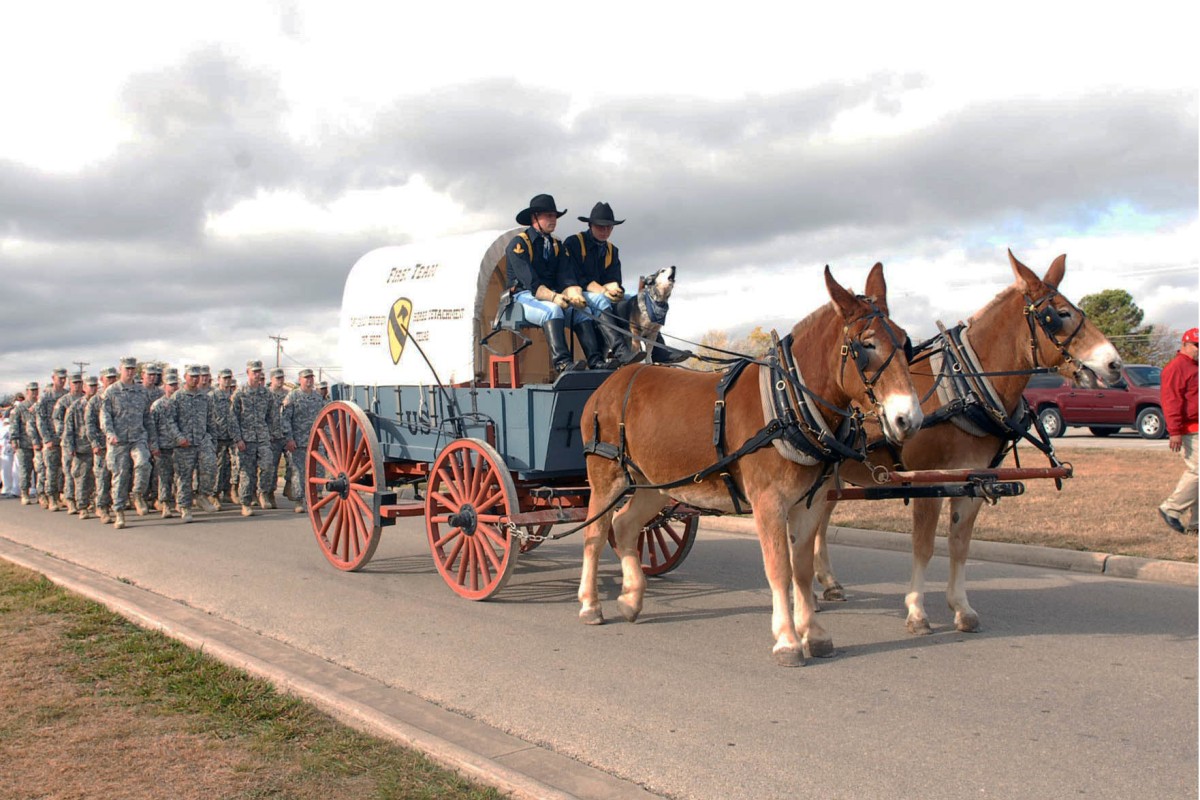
1144 569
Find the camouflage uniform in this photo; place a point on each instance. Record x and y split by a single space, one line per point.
51 454
188 420
58 416
300 411
154 392
125 415
101 473
19 423
161 438
222 436
278 443
253 416
77 445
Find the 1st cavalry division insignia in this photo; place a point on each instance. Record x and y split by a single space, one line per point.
398 322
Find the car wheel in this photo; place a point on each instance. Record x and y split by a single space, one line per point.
1052 421
1102 431
1150 423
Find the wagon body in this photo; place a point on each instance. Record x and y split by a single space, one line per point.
534 428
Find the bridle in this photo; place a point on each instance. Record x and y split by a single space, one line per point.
854 351
1044 315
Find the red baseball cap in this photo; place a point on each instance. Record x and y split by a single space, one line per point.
1191 335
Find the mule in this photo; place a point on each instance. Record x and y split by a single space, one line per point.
655 425
1007 336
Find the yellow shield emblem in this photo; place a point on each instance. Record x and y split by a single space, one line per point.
398 327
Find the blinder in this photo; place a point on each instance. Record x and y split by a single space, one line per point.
1049 319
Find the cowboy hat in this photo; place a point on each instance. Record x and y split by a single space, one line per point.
542 203
602 214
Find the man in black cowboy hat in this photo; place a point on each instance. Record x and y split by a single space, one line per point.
597 265
546 286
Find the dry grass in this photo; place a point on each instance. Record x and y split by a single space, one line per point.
1110 506
92 706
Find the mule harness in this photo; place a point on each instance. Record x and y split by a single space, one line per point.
793 419
973 404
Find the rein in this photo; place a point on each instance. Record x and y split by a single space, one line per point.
794 420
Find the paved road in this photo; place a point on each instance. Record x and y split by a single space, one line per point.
1079 685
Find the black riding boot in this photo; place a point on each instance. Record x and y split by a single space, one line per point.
586 334
664 354
616 342
557 340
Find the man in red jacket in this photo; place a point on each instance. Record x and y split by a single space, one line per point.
1179 407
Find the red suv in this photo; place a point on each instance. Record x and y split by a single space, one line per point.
1132 402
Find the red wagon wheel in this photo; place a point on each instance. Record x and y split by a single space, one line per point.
344 466
468 499
665 541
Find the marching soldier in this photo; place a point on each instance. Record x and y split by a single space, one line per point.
50 476
187 422
58 416
278 440
164 462
300 411
151 382
253 415
103 478
125 418
222 435
77 445
21 426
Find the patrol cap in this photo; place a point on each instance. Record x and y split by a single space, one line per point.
306 373
60 372
171 379
154 369
77 378
108 372
92 380
194 369
225 373
254 366
129 362
323 385
277 373
204 370
31 386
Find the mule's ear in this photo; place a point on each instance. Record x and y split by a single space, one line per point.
1054 275
1024 274
847 303
877 287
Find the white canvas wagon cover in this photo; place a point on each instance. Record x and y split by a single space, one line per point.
432 294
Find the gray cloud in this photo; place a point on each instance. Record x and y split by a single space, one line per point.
118 253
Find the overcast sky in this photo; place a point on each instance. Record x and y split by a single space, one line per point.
182 181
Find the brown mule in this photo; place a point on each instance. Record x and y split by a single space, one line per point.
665 418
1000 335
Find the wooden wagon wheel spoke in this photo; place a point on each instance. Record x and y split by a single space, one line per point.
664 543
468 498
345 479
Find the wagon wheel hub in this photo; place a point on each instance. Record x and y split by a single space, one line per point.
466 519
339 485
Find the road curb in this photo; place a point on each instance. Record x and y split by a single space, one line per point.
518 768
1143 569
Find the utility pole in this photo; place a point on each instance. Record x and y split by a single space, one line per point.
279 340
81 365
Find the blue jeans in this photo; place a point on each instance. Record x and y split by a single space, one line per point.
538 312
